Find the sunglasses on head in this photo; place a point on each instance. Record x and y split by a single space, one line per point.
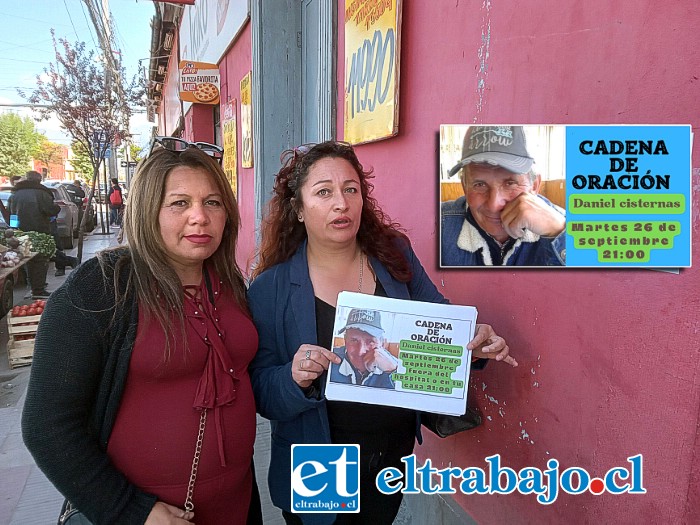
179 145
298 152
303 149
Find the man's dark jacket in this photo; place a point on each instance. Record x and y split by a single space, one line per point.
76 194
33 204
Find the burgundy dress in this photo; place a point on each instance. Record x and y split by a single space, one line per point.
155 433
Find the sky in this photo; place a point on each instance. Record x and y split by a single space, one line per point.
26 48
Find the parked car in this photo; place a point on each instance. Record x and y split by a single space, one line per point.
80 202
67 219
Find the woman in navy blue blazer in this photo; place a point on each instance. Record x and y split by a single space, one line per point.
324 234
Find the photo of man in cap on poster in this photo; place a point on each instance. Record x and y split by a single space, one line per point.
365 358
501 220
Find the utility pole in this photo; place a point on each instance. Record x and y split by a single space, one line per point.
99 13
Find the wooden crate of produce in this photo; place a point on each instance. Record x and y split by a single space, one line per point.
22 330
20 353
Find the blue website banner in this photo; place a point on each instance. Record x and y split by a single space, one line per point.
628 197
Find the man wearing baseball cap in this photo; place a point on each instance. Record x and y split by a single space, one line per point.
365 360
501 220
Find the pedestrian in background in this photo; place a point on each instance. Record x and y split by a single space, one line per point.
115 197
33 205
77 195
78 191
141 361
60 259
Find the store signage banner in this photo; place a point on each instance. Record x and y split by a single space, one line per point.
199 82
228 131
372 51
209 27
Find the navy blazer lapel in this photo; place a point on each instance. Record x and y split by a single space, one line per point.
302 297
392 287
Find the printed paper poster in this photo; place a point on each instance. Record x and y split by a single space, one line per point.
401 353
372 52
246 122
228 128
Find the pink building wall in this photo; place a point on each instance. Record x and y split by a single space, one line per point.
233 67
608 358
199 123
199 126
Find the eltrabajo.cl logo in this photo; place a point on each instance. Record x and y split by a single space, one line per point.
325 478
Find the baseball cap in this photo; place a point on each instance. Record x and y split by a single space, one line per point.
368 321
502 146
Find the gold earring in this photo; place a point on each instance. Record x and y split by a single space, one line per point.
301 219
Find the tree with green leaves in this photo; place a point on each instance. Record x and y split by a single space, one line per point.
135 152
92 102
19 141
81 162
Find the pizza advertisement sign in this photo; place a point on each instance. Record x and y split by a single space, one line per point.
199 82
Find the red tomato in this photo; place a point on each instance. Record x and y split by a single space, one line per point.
15 311
39 310
31 311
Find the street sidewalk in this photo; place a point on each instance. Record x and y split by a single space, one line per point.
26 496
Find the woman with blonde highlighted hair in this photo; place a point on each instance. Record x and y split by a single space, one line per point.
140 408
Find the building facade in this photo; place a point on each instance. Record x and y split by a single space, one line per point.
608 365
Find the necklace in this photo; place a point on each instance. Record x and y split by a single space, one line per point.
362 267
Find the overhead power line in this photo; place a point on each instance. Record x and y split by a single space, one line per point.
71 20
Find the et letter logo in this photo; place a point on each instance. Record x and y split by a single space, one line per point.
325 478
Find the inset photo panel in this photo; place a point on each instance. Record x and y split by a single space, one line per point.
574 196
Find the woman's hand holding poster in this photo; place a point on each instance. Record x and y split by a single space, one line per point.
401 353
